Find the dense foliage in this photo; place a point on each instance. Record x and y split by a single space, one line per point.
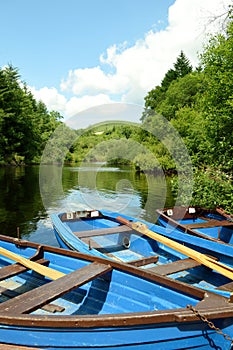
25 124
159 94
199 105
217 101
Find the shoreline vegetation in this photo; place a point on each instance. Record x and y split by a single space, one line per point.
197 103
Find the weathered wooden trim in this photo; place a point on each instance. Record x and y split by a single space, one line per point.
215 309
176 266
209 223
144 261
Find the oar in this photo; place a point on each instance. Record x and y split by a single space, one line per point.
32 265
201 258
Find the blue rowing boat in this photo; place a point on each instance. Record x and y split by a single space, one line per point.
53 298
210 224
104 234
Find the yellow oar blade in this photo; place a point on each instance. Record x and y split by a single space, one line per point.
32 265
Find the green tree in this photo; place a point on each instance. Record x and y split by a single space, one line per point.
11 103
168 79
25 124
182 65
217 100
157 95
182 92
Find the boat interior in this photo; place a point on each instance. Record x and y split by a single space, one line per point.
123 244
87 288
207 222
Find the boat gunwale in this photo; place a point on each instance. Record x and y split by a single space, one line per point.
180 315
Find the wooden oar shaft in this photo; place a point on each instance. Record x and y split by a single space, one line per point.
202 258
32 265
207 261
219 263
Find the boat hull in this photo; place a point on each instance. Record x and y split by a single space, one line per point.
124 308
204 239
198 276
173 336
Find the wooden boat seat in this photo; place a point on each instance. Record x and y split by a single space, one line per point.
228 287
9 293
209 223
145 261
103 231
176 266
36 298
16 269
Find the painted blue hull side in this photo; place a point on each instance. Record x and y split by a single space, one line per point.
175 336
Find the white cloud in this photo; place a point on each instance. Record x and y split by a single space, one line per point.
51 97
68 107
92 81
126 74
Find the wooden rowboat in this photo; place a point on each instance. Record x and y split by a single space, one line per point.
58 299
210 224
110 235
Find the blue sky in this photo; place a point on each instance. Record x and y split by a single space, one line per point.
46 38
77 54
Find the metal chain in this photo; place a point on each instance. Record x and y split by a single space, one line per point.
210 323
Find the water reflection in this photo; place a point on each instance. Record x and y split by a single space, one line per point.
28 195
20 200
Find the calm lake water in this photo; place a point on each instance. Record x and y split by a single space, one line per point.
28 195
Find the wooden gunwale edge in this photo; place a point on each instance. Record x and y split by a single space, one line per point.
180 315
4 346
